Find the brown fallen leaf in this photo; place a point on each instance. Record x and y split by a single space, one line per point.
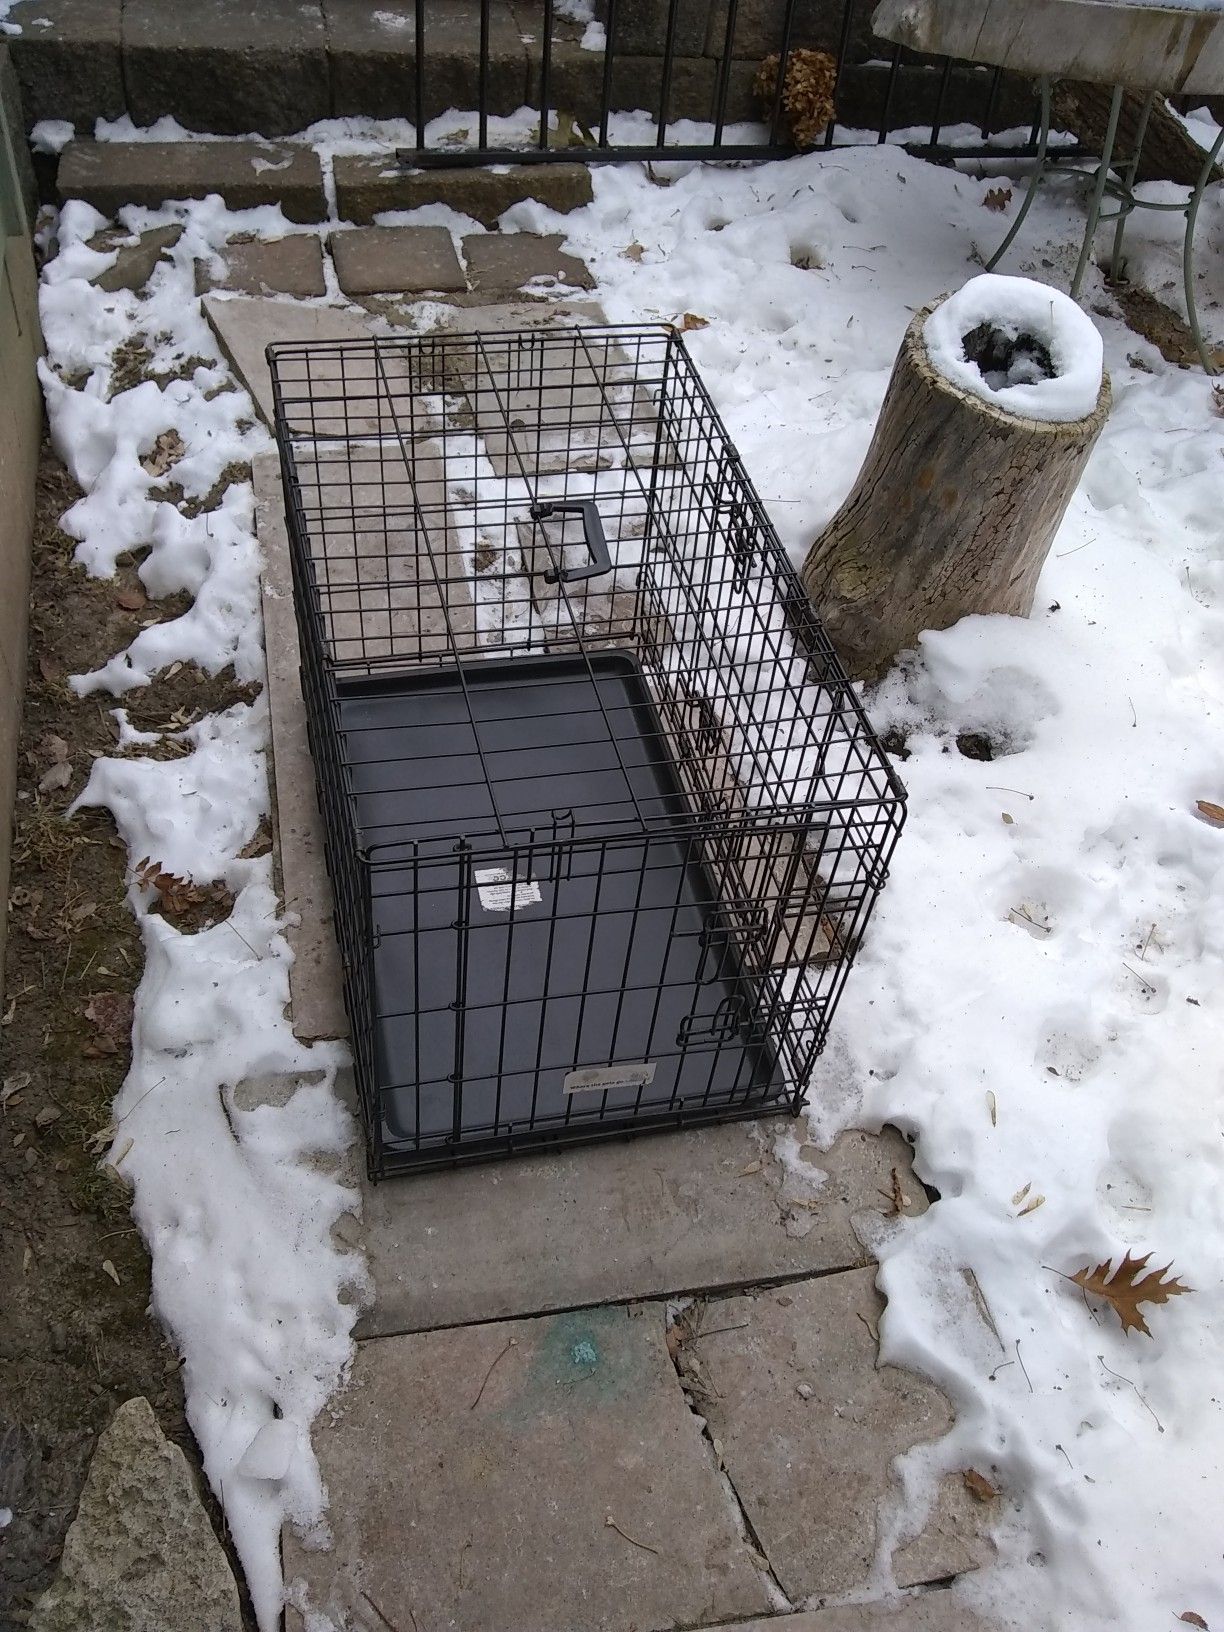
997 199
1193 1618
1124 1292
691 321
111 1013
633 252
167 450
50 671
109 1269
978 1486
57 778
1211 812
131 600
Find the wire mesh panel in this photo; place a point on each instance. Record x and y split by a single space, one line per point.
603 816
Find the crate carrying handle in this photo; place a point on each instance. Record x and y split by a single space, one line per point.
596 542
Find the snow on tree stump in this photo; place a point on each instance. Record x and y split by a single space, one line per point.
996 399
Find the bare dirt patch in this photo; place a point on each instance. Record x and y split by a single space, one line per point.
76 1338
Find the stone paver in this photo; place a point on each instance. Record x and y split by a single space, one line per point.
367 184
498 263
921 1612
68 59
244 325
373 55
280 266
141 1553
390 260
109 175
135 259
811 1467
700 1210
477 1478
234 67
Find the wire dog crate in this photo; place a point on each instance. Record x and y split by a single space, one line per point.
603 816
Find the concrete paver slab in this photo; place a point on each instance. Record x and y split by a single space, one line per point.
135 259
277 266
811 1467
244 325
236 68
921 1612
499 262
526 1476
381 260
109 175
314 978
703 1209
367 184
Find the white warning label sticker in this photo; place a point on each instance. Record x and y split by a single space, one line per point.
498 894
636 1074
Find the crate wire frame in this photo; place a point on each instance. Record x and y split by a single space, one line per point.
603 816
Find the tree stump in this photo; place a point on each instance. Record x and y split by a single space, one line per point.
953 512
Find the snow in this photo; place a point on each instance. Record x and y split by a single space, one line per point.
235 1199
1019 308
1034 1003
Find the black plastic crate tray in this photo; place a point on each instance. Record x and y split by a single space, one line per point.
606 962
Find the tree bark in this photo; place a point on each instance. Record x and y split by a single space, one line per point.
953 512
1170 153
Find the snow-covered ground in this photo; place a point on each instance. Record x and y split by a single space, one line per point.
1037 1003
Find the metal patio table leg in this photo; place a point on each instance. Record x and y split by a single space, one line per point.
1192 209
1039 170
1098 190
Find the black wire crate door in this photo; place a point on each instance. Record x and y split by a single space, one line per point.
548 989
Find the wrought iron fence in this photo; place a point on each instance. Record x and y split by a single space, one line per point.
690 65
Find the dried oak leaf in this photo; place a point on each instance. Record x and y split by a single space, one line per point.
1124 1290
167 450
131 600
1193 1618
997 199
978 1486
691 321
1211 812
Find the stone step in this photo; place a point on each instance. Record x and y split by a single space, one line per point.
109 175
230 68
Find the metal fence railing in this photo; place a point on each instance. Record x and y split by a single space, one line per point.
690 65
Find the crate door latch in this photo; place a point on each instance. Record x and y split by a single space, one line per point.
593 532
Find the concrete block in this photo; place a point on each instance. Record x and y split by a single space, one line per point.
245 325
641 27
526 1476
703 1209
812 1467
373 57
382 260
576 84
227 66
921 1612
814 23
68 60
366 185
499 262
109 175
278 266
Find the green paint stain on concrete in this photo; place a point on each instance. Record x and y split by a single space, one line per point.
584 1353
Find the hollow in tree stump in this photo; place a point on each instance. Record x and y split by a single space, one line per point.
957 502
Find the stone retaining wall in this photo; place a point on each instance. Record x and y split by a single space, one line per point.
20 433
231 67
